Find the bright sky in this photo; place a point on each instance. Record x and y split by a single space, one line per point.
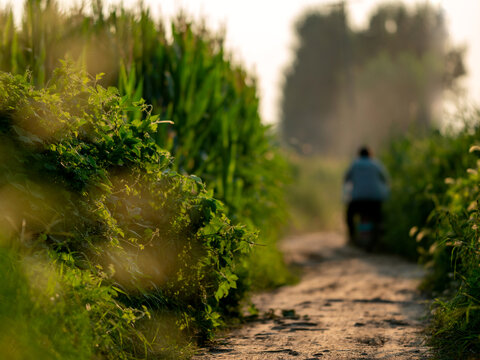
260 33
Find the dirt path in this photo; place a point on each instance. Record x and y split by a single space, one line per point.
348 305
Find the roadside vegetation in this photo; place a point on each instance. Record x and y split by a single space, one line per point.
101 239
142 195
183 73
433 216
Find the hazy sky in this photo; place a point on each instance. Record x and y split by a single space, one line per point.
260 33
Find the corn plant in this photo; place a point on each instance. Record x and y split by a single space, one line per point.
186 77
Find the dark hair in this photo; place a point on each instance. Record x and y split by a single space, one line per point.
364 151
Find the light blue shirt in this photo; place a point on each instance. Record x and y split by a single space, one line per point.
368 180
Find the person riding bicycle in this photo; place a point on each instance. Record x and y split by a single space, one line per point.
366 182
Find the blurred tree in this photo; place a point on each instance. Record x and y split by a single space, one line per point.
312 83
377 82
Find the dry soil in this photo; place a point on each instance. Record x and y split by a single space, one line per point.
348 305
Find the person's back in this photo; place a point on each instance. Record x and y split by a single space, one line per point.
367 180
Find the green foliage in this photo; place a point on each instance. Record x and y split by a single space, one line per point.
420 169
44 324
456 325
53 310
187 78
435 199
217 132
125 234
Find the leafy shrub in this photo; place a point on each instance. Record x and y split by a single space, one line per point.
128 236
418 167
187 77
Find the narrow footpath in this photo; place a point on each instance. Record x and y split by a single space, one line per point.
348 305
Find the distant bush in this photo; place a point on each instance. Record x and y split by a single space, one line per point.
91 201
